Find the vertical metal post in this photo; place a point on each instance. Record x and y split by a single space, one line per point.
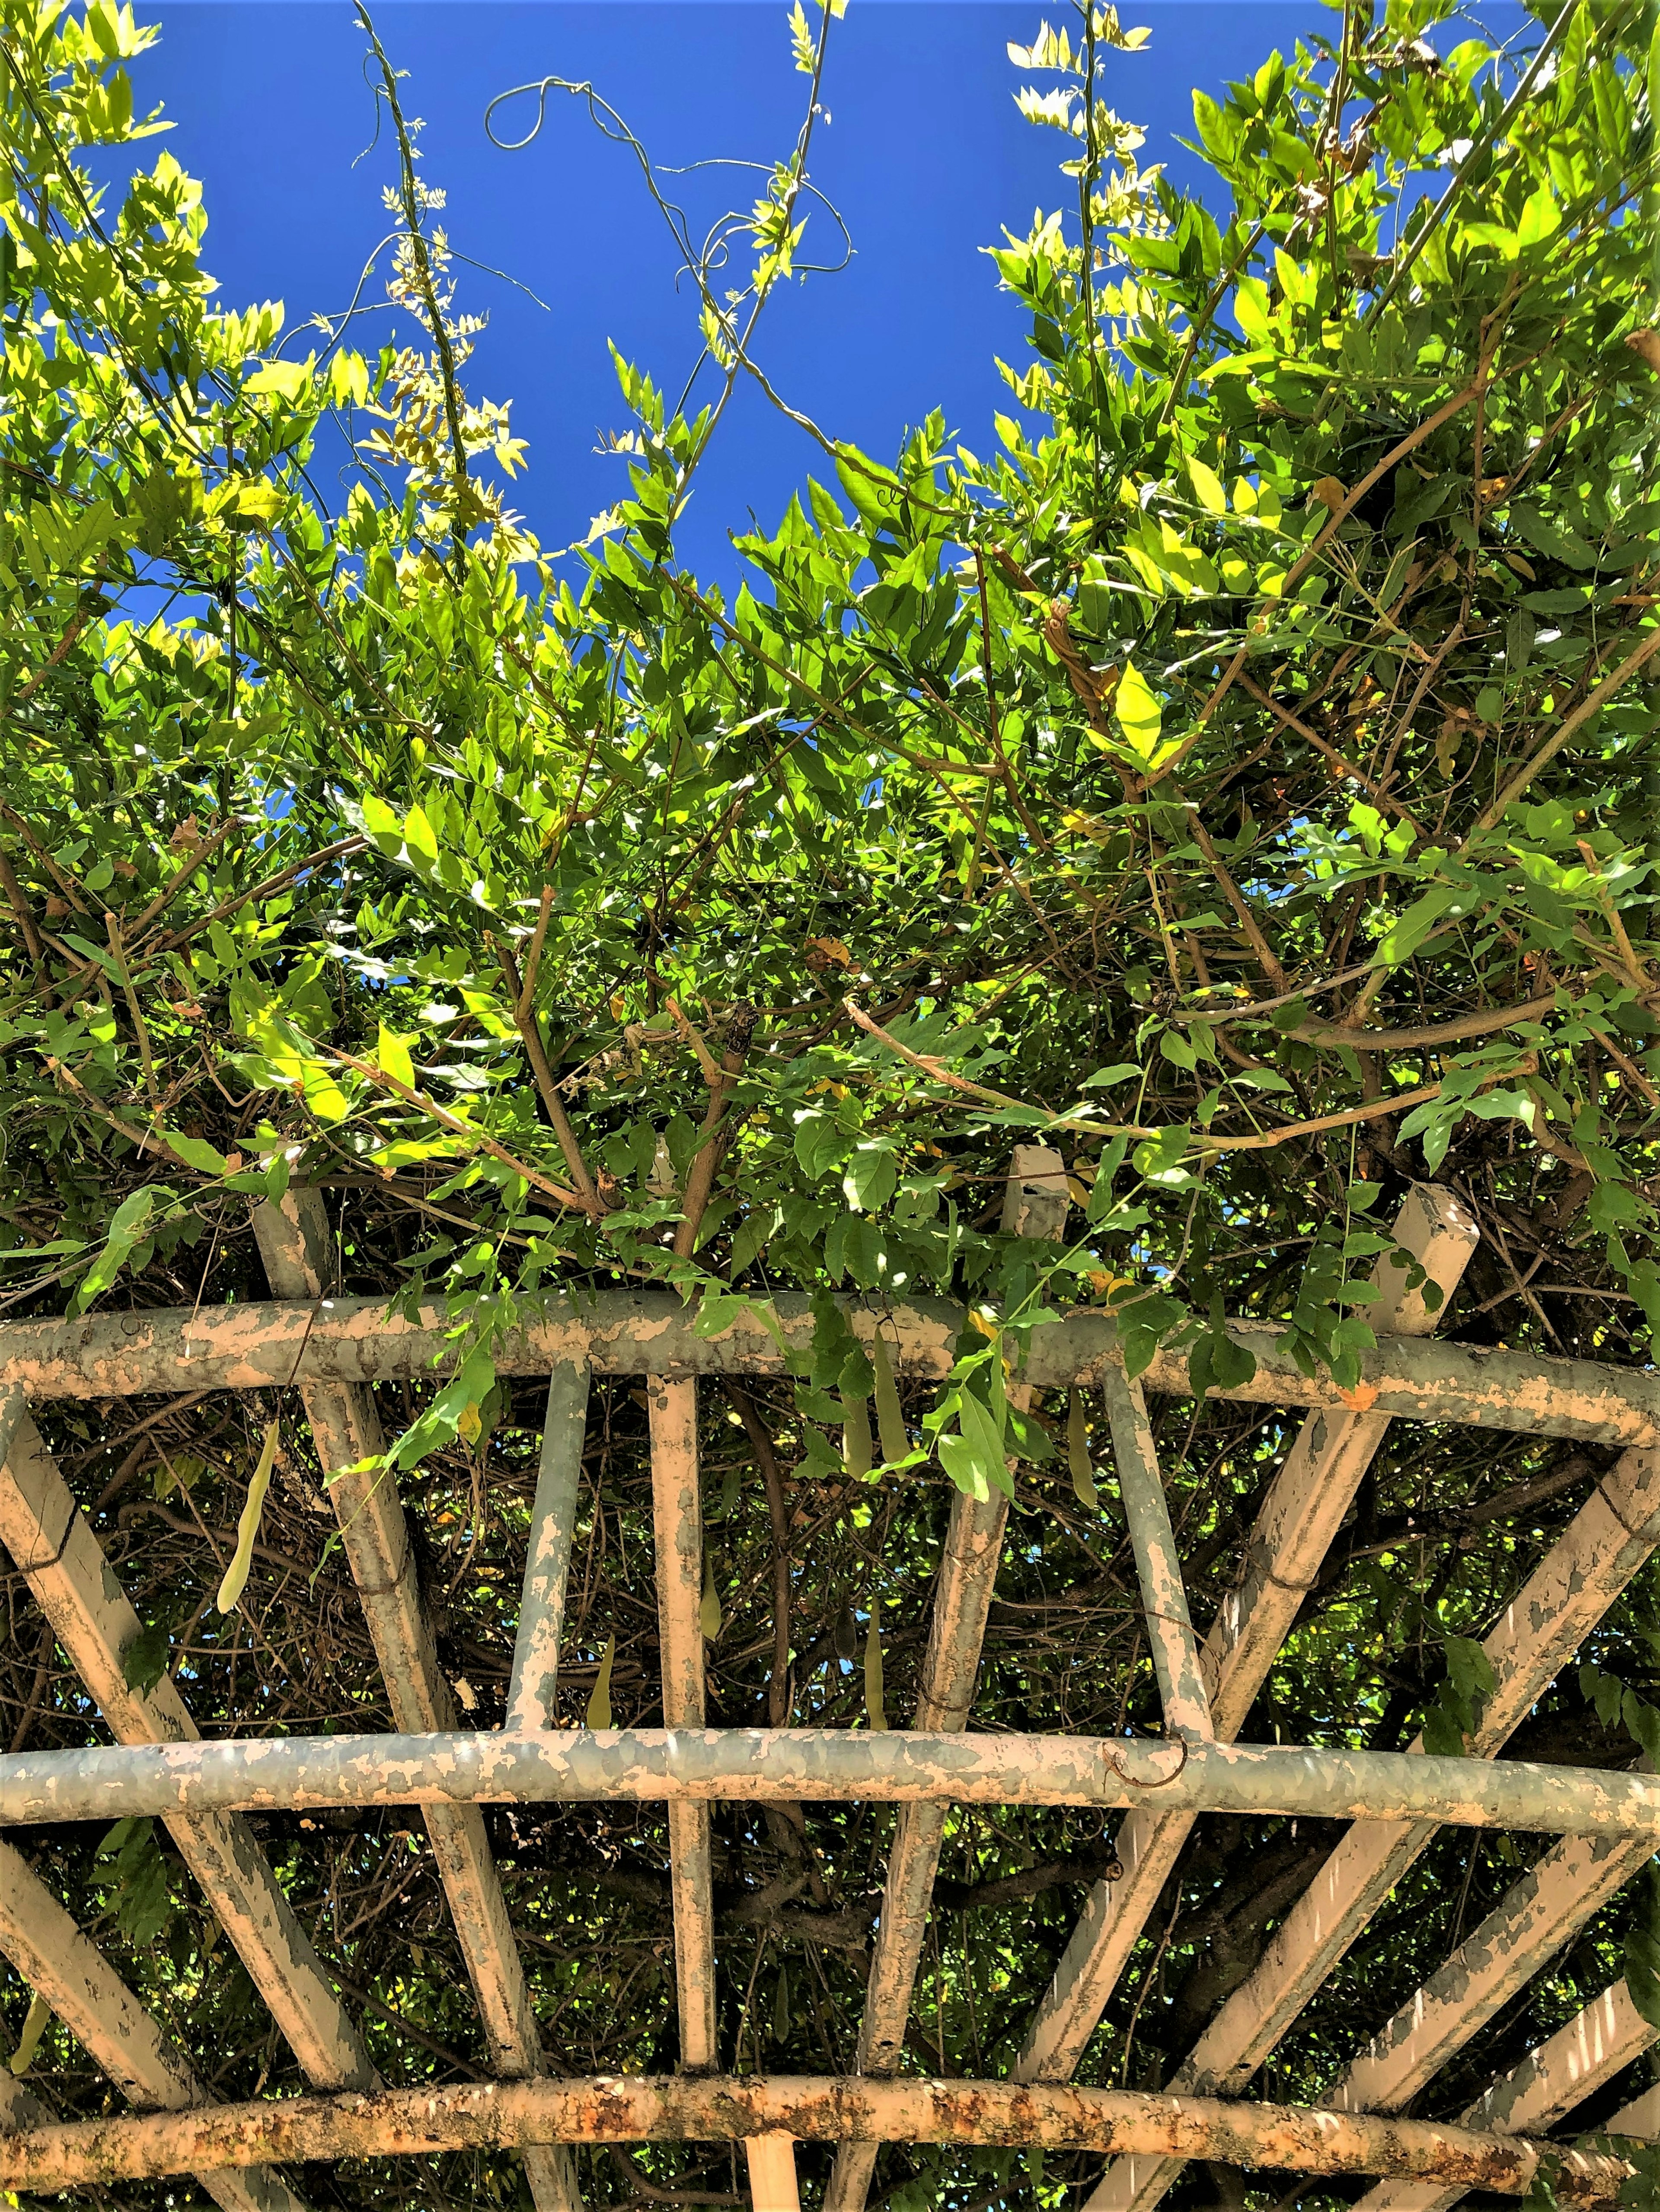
772 2173
672 1403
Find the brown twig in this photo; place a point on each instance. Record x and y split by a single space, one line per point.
524 1017
454 1122
18 901
1339 760
117 953
1593 703
1248 922
706 1161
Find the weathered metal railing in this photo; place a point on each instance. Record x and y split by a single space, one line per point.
334 1349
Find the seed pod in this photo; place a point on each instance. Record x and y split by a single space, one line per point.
34 2027
1077 1455
236 1574
845 1633
781 2006
708 1612
890 1420
599 1712
855 1436
875 1710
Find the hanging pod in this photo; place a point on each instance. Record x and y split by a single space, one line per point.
599 1713
1078 1454
34 2027
890 1416
236 1574
890 1420
855 1435
708 1612
875 1710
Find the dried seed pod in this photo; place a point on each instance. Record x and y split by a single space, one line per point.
844 1635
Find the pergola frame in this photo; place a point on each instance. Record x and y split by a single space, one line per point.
335 1349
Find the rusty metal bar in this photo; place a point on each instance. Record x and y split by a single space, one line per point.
553 1519
775 1766
67 1970
635 2108
1300 1517
1590 2050
356 1340
1035 1205
298 1253
1580 1576
677 1514
54 1547
1164 1595
772 2173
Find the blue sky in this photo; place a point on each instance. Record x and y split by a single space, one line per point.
924 155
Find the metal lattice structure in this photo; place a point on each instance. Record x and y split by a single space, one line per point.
335 1350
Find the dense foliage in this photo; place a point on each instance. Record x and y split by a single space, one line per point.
1239 772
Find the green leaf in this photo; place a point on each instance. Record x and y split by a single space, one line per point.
196 1152
144 1662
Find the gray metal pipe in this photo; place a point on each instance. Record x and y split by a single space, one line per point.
245 1347
645 1766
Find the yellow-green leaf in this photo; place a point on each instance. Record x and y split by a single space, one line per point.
392 1053
1140 715
419 837
1208 487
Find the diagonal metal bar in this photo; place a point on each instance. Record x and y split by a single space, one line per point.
1163 1596
1035 1205
1301 1515
547 1562
1542 1913
678 1509
67 1970
298 1252
1590 2050
55 1549
1580 1576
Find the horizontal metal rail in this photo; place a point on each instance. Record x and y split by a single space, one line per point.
787 1765
712 2108
257 1346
